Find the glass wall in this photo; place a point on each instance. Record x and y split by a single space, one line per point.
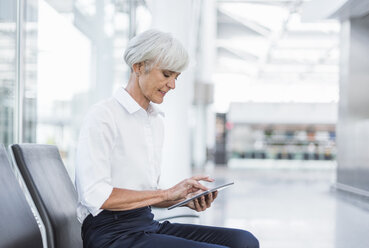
70 55
8 44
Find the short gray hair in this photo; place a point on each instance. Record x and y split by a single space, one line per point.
154 47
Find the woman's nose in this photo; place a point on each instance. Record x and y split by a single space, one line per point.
172 83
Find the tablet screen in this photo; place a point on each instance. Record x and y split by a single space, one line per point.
218 188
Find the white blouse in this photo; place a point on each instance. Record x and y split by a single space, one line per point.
120 145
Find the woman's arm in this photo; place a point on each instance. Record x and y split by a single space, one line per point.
125 199
199 204
166 204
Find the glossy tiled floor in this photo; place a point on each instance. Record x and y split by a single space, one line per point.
288 206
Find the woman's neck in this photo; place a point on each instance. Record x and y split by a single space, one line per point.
133 88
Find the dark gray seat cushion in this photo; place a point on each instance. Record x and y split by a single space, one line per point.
18 226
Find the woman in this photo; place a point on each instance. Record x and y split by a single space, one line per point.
118 161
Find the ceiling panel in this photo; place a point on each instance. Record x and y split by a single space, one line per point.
266 39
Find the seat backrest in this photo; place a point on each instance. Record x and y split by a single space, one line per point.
52 191
18 226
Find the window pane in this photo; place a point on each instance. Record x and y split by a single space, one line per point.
8 14
73 59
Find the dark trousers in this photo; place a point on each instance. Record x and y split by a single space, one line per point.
137 228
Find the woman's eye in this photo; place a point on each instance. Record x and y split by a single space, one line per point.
166 75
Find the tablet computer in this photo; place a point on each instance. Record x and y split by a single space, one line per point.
218 188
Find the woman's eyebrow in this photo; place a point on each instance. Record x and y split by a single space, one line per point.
172 72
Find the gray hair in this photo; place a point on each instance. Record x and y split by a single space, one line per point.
154 47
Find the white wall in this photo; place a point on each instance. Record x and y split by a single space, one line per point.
283 113
179 18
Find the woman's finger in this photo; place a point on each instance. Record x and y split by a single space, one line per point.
215 194
203 203
197 205
196 184
202 178
191 205
209 200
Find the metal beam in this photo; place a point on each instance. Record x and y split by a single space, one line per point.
257 27
239 54
276 36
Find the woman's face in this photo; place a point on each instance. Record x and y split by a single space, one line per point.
156 83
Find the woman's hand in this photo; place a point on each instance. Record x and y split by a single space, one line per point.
203 202
181 190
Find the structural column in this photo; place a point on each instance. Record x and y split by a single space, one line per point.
204 123
353 121
181 19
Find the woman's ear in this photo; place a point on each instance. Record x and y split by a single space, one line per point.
138 68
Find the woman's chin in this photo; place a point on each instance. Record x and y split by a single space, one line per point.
158 101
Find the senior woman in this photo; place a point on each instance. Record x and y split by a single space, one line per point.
118 161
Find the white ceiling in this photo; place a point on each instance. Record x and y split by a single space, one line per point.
266 41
